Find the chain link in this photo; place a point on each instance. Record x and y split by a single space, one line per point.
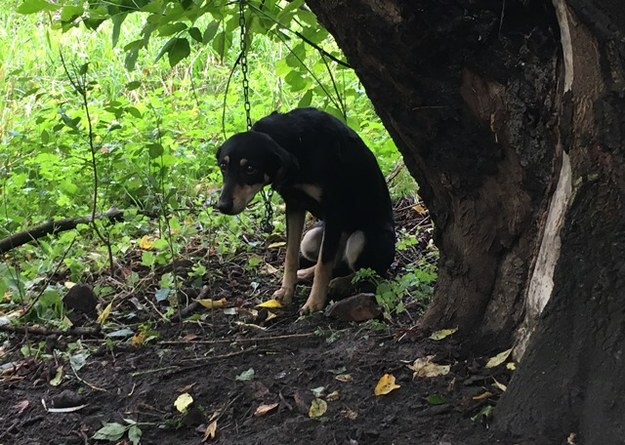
266 224
243 61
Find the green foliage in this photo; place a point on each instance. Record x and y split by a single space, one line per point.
154 127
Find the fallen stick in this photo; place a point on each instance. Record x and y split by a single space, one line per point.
36 330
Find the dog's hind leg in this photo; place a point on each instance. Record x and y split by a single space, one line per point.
309 248
294 228
323 269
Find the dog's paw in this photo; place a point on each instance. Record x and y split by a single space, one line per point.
312 305
306 274
284 295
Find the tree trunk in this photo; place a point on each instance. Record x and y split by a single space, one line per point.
510 115
468 92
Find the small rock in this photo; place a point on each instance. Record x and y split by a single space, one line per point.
360 307
82 301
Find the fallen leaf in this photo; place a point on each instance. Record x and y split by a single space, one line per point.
145 243
270 316
246 375
344 378
443 333
276 245
511 366
318 408
264 409
484 395
58 377
498 359
499 385
139 338
21 406
425 367
211 431
420 209
269 269
183 402
318 391
385 385
69 284
212 304
333 396
105 313
485 412
270 304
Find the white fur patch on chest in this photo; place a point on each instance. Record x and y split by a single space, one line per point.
313 191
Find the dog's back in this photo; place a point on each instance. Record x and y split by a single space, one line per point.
332 156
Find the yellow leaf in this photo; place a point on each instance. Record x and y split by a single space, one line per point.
183 402
270 315
498 359
212 304
58 377
276 245
145 243
318 408
264 409
344 378
105 313
425 367
499 385
139 338
511 366
69 284
333 396
419 209
211 430
484 395
443 333
270 304
385 385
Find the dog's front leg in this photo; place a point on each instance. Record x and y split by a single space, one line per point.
294 228
323 269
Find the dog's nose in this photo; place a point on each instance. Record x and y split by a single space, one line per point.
224 205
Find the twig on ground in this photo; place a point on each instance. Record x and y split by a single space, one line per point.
237 340
37 330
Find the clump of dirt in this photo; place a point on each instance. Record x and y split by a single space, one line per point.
253 373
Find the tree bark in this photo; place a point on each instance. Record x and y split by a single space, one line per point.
510 115
467 91
570 385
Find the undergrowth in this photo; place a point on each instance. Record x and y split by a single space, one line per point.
154 131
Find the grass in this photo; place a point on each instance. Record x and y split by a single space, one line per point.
156 130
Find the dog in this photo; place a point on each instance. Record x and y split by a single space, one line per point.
317 164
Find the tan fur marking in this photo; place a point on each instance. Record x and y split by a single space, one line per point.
226 159
242 195
314 191
243 162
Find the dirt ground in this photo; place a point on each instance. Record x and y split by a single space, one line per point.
252 379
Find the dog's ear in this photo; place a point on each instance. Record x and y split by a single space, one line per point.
286 164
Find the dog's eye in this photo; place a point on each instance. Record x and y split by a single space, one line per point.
223 166
250 169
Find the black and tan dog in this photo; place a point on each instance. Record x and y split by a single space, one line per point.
317 164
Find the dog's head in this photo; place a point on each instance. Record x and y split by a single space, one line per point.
249 161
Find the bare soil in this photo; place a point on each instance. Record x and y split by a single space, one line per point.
294 361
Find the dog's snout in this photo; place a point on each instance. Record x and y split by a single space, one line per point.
224 205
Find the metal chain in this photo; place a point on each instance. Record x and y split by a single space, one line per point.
266 224
243 61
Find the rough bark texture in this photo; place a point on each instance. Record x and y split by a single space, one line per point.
570 385
458 85
493 104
